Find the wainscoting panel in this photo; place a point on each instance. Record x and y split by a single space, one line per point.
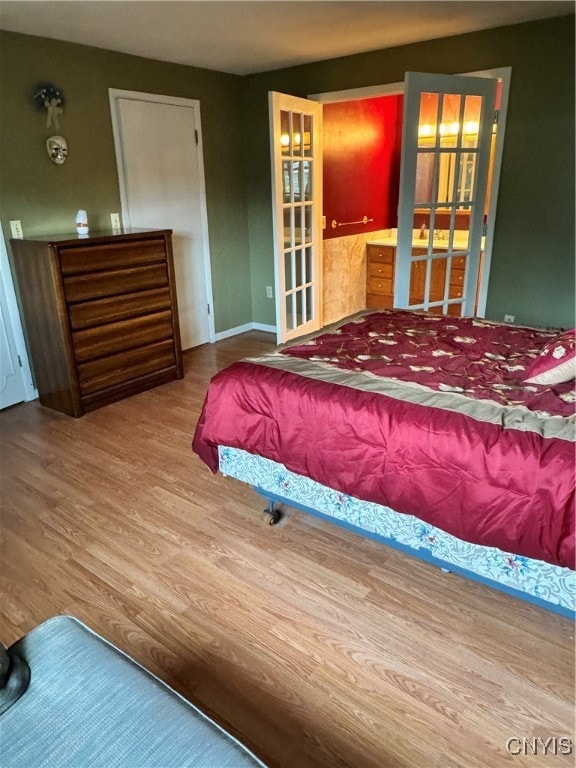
344 289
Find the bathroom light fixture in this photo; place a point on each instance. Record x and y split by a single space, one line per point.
285 139
427 130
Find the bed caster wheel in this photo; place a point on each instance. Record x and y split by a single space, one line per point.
272 516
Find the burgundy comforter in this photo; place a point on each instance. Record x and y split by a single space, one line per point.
425 414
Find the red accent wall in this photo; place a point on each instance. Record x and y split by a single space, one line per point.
362 141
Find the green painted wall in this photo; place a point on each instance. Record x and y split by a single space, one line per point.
533 259
532 274
45 197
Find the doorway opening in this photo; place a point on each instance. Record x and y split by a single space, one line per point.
362 143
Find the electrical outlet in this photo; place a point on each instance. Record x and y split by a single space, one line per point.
16 229
115 219
269 293
508 318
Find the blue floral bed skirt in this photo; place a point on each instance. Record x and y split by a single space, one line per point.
549 586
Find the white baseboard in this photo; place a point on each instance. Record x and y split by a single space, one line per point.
243 329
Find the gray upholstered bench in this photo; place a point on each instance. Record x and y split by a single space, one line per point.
89 705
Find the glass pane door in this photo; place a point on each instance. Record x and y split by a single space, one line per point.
445 159
297 198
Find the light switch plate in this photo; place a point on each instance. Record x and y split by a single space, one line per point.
115 220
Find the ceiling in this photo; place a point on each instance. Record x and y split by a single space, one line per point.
247 37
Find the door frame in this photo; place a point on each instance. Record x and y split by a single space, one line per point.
115 94
390 89
7 284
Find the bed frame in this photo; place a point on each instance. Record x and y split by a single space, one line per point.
548 586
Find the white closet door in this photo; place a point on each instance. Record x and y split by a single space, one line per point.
163 189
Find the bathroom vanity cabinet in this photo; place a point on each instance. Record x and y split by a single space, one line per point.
380 262
380 273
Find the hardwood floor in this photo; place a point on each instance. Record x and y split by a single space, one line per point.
313 645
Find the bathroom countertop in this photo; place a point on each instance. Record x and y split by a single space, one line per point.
392 240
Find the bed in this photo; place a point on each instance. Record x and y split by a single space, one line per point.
430 433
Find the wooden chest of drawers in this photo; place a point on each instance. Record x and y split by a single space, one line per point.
100 315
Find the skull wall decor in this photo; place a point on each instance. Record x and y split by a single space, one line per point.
57 148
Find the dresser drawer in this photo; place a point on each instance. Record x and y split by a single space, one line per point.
380 269
101 284
384 254
109 371
130 253
117 337
114 308
380 285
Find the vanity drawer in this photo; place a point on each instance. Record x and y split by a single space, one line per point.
380 269
100 284
380 285
379 301
115 308
81 259
457 273
455 291
457 277
118 337
384 254
112 370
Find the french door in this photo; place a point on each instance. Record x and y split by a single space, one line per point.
446 141
296 153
